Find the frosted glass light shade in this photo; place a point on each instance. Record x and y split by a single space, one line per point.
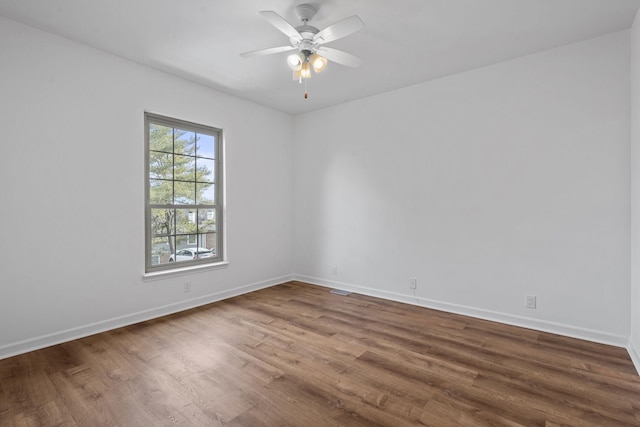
295 61
318 62
305 71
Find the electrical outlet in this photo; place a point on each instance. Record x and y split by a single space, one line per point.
531 301
187 287
413 283
334 270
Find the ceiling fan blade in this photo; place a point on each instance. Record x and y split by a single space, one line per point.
338 30
282 25
339 56
269 51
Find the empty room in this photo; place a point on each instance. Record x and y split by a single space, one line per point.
279 213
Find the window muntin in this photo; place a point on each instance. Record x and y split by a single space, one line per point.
183 193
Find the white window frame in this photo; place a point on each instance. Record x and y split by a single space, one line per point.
154 262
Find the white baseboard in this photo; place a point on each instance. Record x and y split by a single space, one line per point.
634 352
510 319
118 322
43 341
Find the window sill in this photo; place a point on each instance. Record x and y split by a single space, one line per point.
176 272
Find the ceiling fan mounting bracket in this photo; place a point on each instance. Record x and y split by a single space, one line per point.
305 12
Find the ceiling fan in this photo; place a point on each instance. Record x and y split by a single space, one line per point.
307 42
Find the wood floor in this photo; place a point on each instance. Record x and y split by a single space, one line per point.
297 355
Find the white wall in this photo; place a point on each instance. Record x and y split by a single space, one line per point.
72 173
485 186
634 343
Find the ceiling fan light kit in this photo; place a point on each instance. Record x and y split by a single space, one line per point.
301 64
307 42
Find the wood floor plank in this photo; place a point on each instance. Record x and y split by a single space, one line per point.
297 355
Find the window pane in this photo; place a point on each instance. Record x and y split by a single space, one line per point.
161 249
185 142
206 146
186 221
184 193
185 241
206 220
184 168
160 138
205 171
160 192
160 165
162 222
206 193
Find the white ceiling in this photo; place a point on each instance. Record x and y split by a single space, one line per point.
404 42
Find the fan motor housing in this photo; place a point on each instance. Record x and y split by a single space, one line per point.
302 29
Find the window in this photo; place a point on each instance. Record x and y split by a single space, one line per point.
183 193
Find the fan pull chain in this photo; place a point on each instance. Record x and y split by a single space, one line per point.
306 95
